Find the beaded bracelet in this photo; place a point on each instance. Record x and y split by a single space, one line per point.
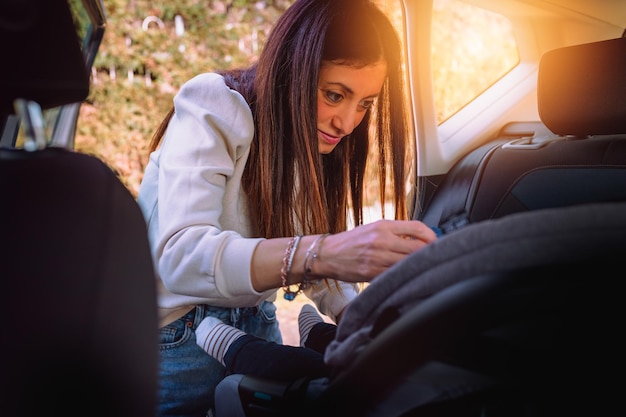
285 271
312 254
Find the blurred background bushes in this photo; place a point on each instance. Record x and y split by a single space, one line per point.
150 48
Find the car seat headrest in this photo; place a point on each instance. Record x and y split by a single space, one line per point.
42 58
581 89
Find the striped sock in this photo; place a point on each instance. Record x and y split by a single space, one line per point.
307 318
215 337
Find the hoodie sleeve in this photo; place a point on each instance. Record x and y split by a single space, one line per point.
201 240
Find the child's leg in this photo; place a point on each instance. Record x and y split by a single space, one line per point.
241 353
314 332
320 337
216 337
255 356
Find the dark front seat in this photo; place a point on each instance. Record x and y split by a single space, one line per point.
78 300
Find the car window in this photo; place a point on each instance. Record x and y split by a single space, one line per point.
472 48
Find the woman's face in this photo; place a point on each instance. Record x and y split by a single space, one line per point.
344 95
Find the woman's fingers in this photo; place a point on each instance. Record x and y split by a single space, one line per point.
412 229
366 251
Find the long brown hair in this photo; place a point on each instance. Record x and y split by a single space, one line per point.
290 185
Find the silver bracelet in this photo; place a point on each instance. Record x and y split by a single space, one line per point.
285 271
312 254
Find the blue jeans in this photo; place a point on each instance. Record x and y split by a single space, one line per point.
188 375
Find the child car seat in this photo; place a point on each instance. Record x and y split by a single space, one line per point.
517 313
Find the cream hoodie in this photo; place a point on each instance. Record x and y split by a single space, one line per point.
198 222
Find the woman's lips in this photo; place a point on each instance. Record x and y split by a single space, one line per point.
331 140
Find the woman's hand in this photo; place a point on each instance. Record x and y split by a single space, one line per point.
366 251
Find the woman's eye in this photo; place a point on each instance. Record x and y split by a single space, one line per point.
333 97
367 104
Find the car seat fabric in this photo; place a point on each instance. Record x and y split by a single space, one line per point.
79 297
523 240
80 333
538 341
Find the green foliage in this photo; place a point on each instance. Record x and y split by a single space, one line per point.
143 61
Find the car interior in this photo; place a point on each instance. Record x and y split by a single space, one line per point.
520 322
513 311
505 338
573 155
75 256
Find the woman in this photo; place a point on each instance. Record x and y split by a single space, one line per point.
251 178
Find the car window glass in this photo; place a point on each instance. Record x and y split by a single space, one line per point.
472 48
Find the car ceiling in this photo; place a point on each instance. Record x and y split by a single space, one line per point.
611 12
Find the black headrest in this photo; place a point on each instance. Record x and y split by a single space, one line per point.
41 54
581 89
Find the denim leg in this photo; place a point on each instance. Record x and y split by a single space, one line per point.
188 375
260 321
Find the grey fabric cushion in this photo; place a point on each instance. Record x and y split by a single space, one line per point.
528 239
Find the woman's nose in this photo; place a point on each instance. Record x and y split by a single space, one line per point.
345 121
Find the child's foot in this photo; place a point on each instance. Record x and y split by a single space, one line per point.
307 318
215 337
